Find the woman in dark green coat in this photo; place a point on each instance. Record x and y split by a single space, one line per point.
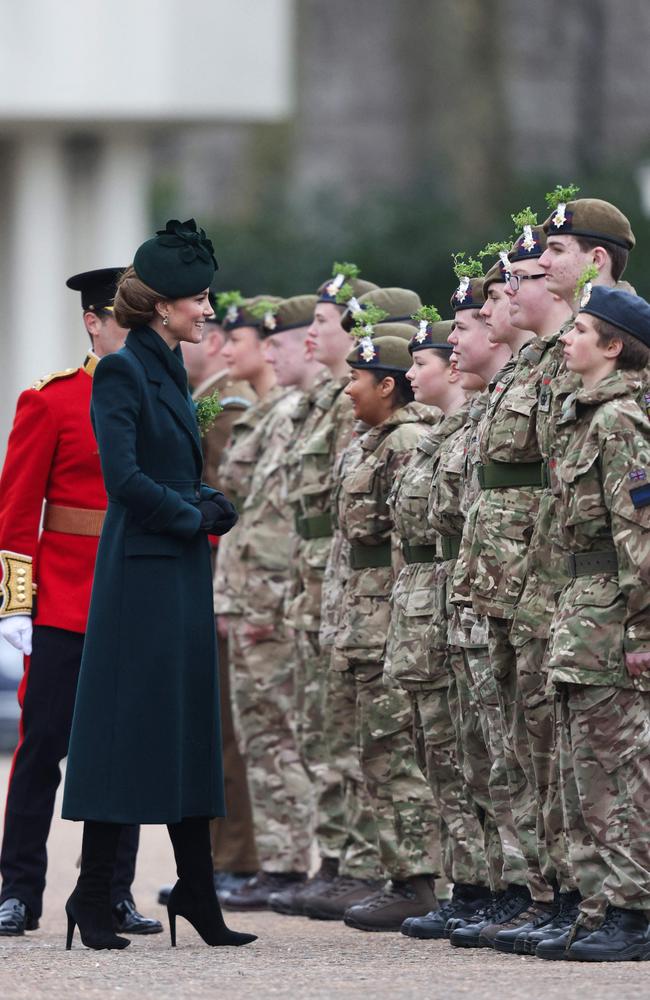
145 744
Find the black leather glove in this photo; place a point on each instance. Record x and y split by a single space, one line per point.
218 515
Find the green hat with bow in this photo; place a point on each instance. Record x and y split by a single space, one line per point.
178 261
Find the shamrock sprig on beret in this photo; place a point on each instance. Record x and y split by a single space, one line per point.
366 320
340 287
426 316
192 242
582 290
557 200
228 304
498 249
266 312
466 267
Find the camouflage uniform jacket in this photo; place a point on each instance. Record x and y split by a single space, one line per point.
337 571
252 567
545 574
329 431
419 593
505 516
603 480
365 519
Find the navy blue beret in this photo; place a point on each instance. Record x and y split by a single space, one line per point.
623 310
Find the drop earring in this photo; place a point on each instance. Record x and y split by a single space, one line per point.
165 320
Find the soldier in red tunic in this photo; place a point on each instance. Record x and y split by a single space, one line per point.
45 582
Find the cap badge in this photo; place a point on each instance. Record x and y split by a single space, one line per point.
355 306
367 349
528 240
461 291
423 330
505 263
335 285
270 322
232 312
559 218
586 295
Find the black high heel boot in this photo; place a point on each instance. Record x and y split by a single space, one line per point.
89 906
193 897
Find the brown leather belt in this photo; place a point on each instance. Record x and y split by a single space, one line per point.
73 520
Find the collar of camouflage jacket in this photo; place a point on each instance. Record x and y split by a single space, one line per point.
412 413
614 386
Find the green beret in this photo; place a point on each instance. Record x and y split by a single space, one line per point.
432 336
496 273
387 329
248 312
343 286
398 303
468 295
383 354
593 218
290 314
177 262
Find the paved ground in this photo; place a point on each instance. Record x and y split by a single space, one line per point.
293 957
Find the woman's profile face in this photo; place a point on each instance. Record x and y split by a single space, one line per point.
186 317
243 352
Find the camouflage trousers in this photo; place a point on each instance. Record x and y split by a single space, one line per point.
406 818
461 831
529 736
484 692
474 760
281 792
325 728
604 758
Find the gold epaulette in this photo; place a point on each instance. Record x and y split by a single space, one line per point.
52 377
16 587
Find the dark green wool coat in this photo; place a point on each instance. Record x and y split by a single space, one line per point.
145 744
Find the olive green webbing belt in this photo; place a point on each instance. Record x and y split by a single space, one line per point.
450 546
591 563
419 553
369 556
316 526
498 475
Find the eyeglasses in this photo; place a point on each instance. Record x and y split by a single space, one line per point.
515 280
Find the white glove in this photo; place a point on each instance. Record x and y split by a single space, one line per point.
17 630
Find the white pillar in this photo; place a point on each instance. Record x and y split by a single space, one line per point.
122 195
37 239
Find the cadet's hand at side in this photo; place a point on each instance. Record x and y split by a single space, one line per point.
17 630
637 663
218 515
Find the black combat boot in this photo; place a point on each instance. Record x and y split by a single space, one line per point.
622 937
567 914
463 905
507 906
291 900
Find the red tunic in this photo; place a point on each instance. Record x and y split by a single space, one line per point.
52 455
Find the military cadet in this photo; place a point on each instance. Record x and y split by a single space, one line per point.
509 473
250 591
344 828
472 699
417 600
407 832
45 585
600 645
580 233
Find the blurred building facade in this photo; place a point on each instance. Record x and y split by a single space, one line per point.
214 107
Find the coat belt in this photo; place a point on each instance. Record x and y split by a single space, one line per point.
73 520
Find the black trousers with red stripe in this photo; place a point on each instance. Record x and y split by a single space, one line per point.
47 698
